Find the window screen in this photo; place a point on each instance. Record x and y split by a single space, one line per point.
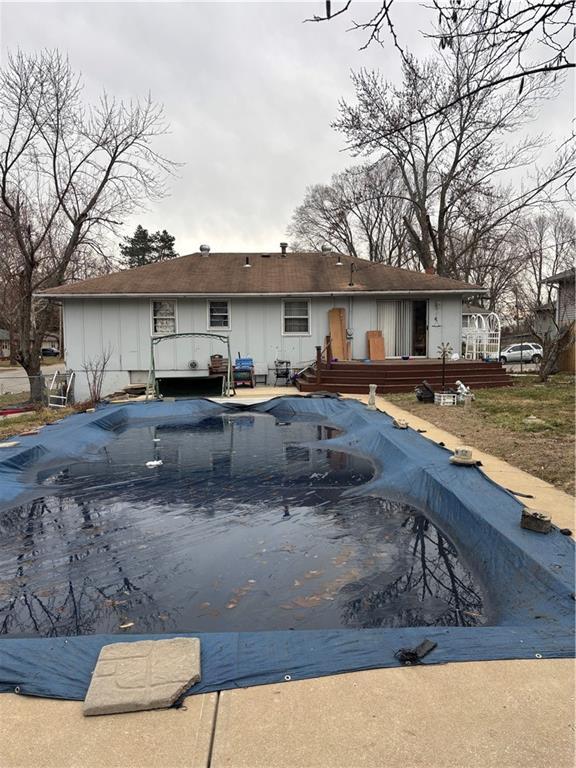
163 317
296 317
218 314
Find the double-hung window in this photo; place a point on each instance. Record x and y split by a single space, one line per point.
163 317
219 315
296 317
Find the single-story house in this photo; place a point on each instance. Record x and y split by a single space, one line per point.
565 314
271 306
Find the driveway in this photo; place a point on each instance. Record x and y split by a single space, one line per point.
14 380
524 368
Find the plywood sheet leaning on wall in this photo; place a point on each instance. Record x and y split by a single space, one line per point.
375 345
337 326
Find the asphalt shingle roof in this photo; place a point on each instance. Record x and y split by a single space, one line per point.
226 274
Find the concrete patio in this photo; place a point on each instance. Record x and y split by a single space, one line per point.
477 714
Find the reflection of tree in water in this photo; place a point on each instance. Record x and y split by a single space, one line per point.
61 605
434 589
76 566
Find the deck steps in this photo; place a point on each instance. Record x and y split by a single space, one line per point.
354 377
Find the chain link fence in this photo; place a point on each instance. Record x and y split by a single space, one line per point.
15 386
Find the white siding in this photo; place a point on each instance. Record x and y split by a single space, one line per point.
566 313
123 327
444 324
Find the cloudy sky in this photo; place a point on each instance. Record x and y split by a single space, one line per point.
248 88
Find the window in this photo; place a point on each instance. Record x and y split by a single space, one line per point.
163 317
296 318
218 315
296 453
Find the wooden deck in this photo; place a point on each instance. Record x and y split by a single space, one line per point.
394 375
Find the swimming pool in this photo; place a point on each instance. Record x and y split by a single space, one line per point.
298 537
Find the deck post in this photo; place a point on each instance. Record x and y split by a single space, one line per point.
318 363
329 352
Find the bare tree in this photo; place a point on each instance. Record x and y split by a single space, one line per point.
548 241
461 153
361 212
95 368
529 38
69 172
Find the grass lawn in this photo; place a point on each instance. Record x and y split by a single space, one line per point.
12 426
12 398
495 423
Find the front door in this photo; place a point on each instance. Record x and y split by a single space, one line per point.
404 327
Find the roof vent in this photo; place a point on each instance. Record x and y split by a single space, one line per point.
339 261
204 250
247 262
265 255
283 247
326 248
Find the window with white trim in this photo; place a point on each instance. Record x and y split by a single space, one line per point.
219 314
296 317
163 317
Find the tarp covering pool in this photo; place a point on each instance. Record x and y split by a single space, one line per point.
297 538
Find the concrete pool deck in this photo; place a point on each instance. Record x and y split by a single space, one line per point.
478 714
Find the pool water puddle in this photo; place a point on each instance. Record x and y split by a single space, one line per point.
247 524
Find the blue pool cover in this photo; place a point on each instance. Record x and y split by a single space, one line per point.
529 577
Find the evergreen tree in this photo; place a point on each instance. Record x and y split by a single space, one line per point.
137 250
145 248
163 246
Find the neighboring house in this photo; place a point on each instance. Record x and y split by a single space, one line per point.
4 343
566 314
469 311
565 301
270 305
50 340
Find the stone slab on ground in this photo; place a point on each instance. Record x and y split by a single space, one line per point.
146 674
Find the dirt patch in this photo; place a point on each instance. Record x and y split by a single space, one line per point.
498 423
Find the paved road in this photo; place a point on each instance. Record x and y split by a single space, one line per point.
14 380
526 368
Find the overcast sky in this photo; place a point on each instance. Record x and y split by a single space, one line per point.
249 91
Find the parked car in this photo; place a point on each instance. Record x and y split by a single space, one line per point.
525 352
49 352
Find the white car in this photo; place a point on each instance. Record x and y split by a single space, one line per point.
525 353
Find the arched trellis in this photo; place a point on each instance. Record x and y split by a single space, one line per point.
228 384
482 336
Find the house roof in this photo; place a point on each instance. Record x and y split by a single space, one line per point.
561 277
296 273
474 309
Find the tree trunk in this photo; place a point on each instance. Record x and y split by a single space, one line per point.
32 327
13 346
36 380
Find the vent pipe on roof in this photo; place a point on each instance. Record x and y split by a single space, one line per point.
339 261
283 247
204 250
326 248
247 262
